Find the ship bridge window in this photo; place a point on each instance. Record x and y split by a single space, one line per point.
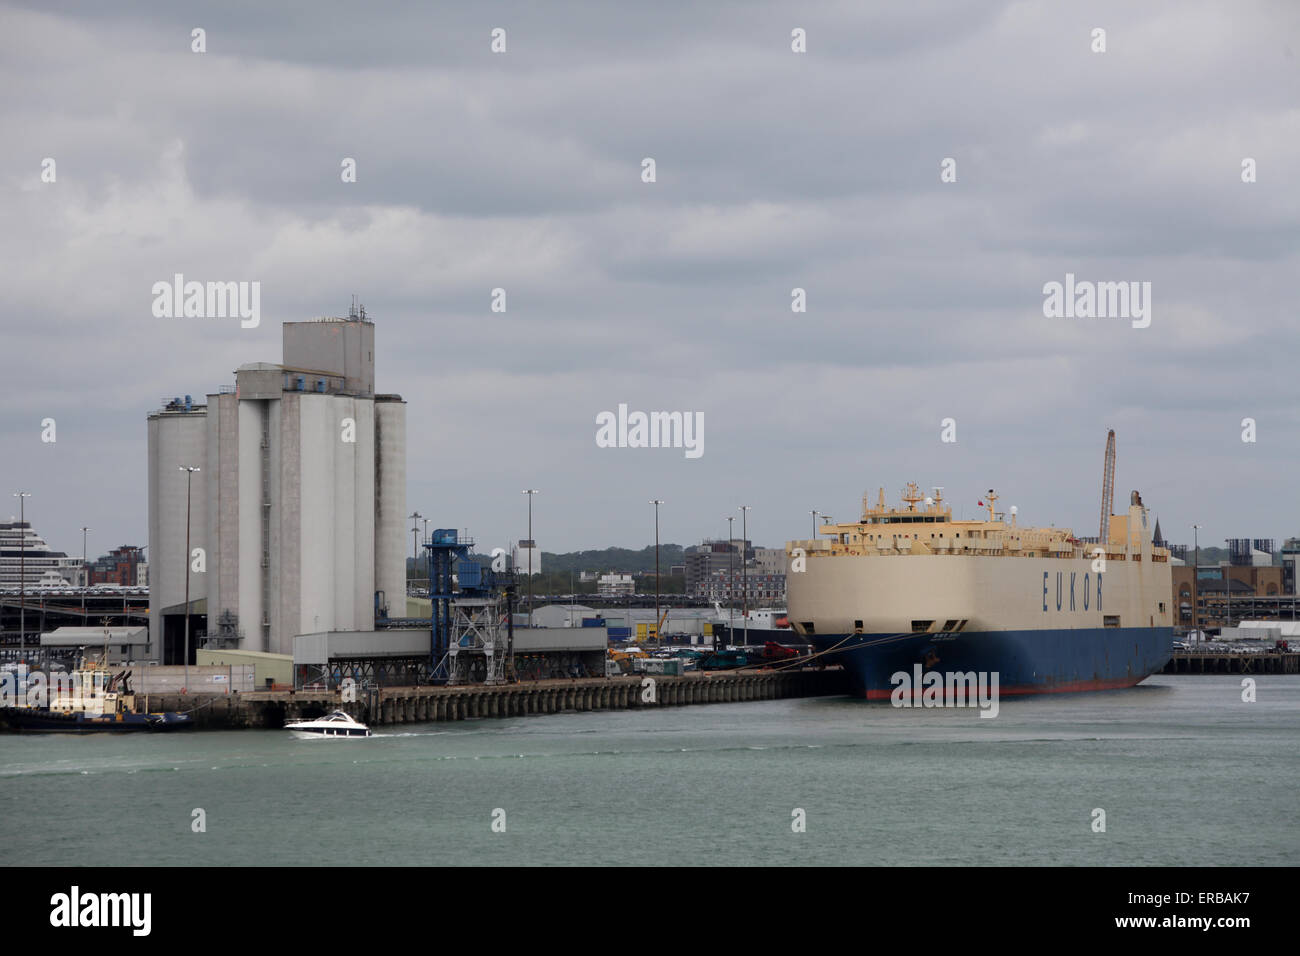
919 627
950 624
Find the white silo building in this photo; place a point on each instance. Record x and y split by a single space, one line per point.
299 505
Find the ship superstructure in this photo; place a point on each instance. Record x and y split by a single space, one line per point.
1049 612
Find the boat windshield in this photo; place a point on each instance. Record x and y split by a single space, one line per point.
339 716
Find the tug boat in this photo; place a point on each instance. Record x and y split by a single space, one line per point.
337 724
85 701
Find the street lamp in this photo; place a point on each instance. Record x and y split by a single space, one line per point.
428 559
415 539
530 492
814 513
731 578
744 566
85 584
22 497
189 477
657 502
1227 586
415 516
1196 582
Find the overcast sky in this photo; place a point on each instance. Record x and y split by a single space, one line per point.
523 170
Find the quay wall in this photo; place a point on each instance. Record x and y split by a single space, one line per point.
385 706
1217 662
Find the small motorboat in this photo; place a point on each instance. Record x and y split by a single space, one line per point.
337 724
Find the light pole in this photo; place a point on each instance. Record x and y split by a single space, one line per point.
22 497
744 566
530 492
1227 586
86 575
731 578
657 502
189 478
1196 582
428 559
814 513
415 517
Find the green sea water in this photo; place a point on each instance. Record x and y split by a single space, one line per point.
1186 772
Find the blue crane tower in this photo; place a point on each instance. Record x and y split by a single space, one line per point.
469 603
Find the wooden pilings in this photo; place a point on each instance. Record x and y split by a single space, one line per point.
401 705
1217 662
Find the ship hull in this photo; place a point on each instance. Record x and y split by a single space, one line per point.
1045 661
36 720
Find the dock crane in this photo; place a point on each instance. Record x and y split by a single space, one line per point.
1107 489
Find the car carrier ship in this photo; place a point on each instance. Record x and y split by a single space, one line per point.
1046 611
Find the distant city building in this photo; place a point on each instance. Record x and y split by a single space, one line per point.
770 560
703 560
1290 558
21 547
1217 588
120 566
732 587
299 507
615 585
526 550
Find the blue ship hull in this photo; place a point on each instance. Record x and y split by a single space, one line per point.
1027 661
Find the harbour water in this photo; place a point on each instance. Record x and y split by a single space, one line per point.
1186 772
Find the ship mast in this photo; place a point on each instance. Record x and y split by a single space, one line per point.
912 494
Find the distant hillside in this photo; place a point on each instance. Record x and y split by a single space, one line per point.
615 559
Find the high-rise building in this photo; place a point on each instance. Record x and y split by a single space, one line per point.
297 512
